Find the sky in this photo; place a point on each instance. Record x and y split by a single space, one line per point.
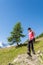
28 12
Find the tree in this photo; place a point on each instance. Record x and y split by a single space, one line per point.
16 34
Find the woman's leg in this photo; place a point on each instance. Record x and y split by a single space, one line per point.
32 46
29 49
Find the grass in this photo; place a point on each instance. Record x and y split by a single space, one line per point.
39 46
8 54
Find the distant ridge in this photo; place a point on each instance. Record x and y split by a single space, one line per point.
41 35
3 45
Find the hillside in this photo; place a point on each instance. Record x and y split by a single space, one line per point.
39 36
9 54
24 59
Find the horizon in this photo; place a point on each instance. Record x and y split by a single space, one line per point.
28 12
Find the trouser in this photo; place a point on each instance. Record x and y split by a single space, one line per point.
31 46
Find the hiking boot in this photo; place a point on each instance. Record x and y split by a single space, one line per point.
29 54
10 64
34 53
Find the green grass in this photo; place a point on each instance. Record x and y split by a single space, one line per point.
8 54
39 46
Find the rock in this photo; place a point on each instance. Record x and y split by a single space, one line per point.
24 59
39 52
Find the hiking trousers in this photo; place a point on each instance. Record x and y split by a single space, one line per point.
31 46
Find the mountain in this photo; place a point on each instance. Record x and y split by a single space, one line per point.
11 54
3 45
39 36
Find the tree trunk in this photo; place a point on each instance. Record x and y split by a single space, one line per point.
17 44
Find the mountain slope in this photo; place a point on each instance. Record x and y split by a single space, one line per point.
24 59
8 54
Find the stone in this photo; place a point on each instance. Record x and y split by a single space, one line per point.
25 59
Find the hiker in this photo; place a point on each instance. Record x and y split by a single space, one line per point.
31 41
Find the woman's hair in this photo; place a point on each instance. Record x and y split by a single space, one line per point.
29 28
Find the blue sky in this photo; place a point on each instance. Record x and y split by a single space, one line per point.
28 12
